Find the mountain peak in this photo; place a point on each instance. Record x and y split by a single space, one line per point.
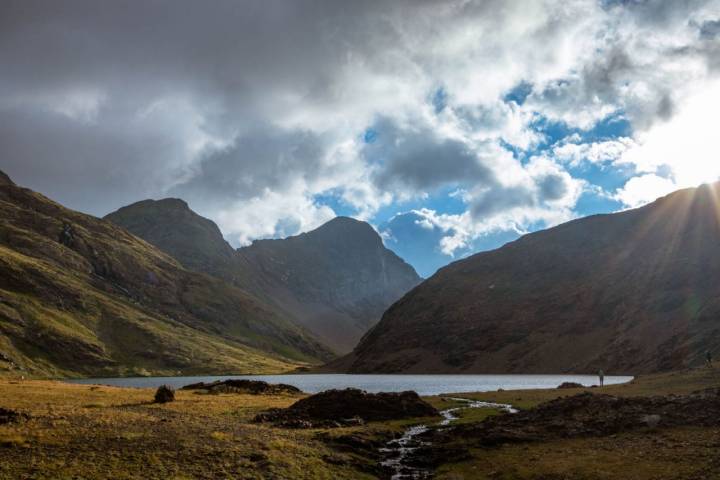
176 229
346 229
168 204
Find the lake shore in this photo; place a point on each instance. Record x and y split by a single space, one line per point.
90 431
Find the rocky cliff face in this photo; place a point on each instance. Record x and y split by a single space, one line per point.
335 281
80 296
637 291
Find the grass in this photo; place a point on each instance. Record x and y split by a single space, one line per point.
80 431
83 431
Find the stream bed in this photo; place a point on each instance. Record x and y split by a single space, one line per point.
397 451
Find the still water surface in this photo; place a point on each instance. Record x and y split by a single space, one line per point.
422 384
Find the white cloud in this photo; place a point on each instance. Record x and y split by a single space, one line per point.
644 189
687 144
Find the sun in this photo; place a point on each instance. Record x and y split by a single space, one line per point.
684 148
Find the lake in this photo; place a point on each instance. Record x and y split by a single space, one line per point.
422 384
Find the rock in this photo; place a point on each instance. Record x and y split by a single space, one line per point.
11 416
348 407
164 394
253 387
570 385
651 421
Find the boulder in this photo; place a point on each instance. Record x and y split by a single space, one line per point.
334 408
252 387
164 394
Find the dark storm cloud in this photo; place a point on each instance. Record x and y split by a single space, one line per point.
217 69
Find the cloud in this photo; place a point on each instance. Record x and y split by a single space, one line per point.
643 189
254 111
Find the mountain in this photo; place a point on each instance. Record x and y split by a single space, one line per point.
335 281
81 296
635 292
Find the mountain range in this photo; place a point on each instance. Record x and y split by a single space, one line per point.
631 292
155 289
335 281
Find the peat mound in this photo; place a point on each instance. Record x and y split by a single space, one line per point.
253 387
565 385
335 408
588 414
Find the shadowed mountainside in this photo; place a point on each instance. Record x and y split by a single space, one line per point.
335 281
636 291
80 296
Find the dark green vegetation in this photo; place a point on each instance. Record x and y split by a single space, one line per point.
81 296
336 281
631 292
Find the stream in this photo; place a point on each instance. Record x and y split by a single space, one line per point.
397 451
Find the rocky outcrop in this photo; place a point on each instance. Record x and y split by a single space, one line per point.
252 387
334 408
631 292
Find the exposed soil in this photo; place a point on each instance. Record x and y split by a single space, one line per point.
348 407
252 387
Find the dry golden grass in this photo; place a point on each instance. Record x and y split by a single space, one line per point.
81 431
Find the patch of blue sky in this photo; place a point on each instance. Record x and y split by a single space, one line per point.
439 100
447 200
611 127
370 135
519 93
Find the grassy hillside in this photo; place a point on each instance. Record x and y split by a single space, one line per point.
81 296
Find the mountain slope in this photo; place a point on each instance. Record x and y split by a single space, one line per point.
335 281
637 291
80 296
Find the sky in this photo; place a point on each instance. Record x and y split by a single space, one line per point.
451 126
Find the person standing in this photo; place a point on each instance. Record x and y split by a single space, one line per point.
708 358
601 377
